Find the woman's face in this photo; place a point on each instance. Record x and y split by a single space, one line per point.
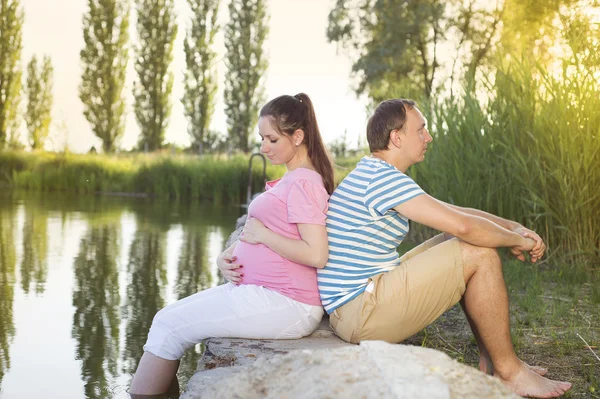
277 147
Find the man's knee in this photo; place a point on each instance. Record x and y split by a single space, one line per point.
475 257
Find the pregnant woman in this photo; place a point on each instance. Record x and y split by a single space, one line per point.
272 293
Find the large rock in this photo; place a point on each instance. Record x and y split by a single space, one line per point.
374 369
223 357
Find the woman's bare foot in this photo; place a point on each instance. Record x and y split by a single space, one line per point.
525 382
485 365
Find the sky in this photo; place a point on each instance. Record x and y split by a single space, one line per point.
300 60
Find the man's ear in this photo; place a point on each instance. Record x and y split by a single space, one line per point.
395 138
298 137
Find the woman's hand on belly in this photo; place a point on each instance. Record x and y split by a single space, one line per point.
254 231
229 269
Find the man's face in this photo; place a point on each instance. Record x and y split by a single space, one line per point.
415 137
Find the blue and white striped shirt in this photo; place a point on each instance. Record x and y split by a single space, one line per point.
363 229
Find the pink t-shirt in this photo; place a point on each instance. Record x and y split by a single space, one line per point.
298 197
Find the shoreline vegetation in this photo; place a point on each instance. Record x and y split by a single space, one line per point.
218 179
212 179
553 202
566 220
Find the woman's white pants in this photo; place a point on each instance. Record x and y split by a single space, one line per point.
228 311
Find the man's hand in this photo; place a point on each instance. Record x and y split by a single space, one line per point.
229 269
538 249
254 232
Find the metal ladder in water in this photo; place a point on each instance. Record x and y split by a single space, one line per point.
264 177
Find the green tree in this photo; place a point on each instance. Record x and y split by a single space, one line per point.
529 26
11 45
104 58
200 76
246 65
396 43
157 29
39 101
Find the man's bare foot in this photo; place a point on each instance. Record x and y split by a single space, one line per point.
527 383
485 365
537 369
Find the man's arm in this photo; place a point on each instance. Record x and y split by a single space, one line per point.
507 224
473 229
537 251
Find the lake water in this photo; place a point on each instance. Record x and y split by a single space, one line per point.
81 279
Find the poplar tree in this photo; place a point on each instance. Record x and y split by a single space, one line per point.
157 29
11 45
104 59
246 65
200 75
38 90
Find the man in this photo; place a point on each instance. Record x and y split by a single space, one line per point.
372 294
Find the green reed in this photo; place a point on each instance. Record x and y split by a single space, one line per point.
531 153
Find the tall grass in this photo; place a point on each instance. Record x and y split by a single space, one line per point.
531 154
558 162
216 179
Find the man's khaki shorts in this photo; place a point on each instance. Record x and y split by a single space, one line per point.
403 301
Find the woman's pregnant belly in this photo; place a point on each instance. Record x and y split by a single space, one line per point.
261 265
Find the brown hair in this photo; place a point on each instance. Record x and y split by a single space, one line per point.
290 113
389 115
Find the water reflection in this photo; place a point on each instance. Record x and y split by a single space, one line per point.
145 290
35 249
100 270
193 273
96 300
7 280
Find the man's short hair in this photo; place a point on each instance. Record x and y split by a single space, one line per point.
389 115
